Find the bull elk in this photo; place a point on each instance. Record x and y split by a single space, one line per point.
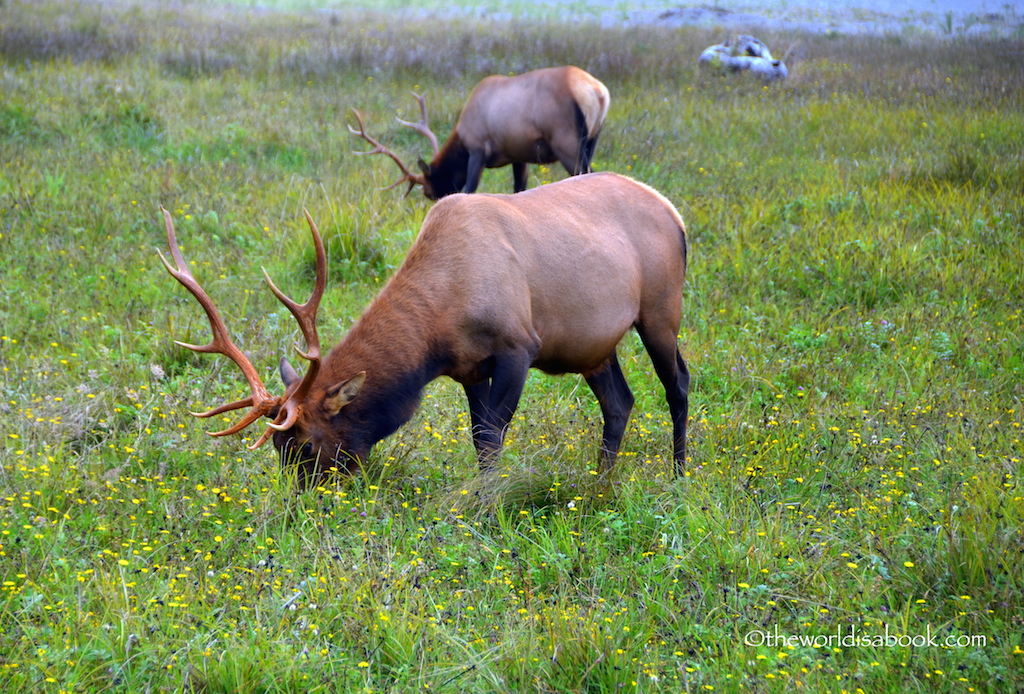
493 285
553 114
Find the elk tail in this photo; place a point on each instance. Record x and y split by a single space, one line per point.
592 100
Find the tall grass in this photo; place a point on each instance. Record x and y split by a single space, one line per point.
852 318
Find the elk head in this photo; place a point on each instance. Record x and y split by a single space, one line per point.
300 419
423 179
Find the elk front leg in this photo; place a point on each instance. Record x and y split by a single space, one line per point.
519 172
492 402
474 170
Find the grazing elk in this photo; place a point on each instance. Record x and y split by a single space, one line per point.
553 114
493 285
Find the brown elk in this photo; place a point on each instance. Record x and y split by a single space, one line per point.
493 285
553 114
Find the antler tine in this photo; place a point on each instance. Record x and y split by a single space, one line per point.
422 128
261 401
305 316
412 184
378 148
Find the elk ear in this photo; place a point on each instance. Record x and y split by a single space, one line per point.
343 393
424 167
288 373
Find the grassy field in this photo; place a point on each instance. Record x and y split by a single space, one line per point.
851 519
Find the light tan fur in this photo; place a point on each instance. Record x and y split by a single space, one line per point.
550 278
570 266
554 276
539 117
518 118
593 99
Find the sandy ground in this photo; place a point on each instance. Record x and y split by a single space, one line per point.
939 17
860 16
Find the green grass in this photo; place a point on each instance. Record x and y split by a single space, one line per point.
853 320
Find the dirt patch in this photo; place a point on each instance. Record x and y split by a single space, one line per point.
932 17
940 17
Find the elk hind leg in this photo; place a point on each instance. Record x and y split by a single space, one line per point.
587 154
574 156
616 400
675 376
569 147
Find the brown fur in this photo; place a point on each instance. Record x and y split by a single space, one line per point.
533 118
516 119
494 284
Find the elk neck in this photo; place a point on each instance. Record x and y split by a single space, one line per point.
393 343
451 160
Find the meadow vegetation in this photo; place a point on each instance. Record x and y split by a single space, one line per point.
852 318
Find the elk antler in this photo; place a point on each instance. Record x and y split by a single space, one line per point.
378 148
284 410
305 316
422 128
